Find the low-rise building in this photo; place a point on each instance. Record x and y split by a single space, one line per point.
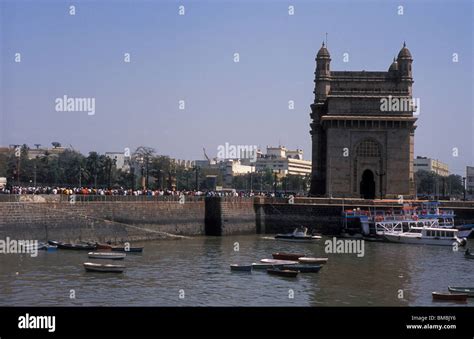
470 181
431 165
122 162
286 162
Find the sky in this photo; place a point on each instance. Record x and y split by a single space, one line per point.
191 57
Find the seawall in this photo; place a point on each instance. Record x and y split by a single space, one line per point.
119 219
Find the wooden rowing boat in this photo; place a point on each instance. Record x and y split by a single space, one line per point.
104 268
468 290
282 272
261 266
127 249
107 255
241 268
276 262
287 256
449 296
303 268
69 246
308 260
104 246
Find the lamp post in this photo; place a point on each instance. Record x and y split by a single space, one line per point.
464 187
380 174
196 168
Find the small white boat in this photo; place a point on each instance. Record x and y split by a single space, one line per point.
308 260
298 235
427 236
107 255
92 267
278 262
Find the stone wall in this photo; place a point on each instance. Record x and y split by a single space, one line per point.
101 221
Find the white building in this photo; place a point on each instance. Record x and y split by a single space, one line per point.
431 165
234 167
285 162
122 162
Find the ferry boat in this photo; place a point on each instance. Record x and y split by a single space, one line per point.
373 223
427 236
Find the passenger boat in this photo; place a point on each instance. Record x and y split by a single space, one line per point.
107 255
278 262
282 272
449 296
309 260
468 290
427 236
68 246
287 256
298 235
125 249
92 267
468 254
303 268
241 268
373 223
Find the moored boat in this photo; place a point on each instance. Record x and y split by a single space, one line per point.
309 260
283 272
298 235
278 262
68 246
262 266
107 255
427 236
106 268
449 296
287 256
127 249
468 290
103 246
303 268
241 268
468 254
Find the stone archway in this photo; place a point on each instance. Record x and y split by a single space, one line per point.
367 185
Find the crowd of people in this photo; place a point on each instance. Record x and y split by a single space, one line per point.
86 191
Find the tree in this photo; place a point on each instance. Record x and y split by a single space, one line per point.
142 157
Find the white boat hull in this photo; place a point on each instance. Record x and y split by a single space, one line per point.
92 267
410 239
106 255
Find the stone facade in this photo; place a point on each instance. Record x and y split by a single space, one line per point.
362 130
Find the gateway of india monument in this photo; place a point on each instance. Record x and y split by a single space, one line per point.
363 131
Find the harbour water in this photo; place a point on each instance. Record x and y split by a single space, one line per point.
195 272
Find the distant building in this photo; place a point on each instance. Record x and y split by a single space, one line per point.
284 161
187 164
431 165
277 159
122 162
41 152
470 180
234 167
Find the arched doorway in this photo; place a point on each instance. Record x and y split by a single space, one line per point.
367 185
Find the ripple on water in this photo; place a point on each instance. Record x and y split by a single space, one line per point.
195 272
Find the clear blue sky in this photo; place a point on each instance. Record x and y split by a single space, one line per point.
191 57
